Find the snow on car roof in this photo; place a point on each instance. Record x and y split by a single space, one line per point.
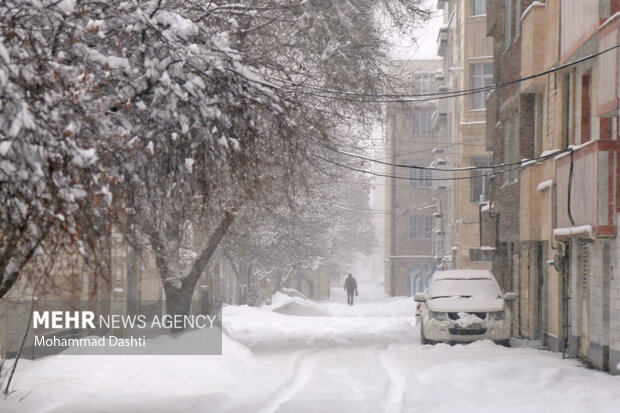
463 275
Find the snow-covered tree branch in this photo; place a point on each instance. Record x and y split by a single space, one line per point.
185 112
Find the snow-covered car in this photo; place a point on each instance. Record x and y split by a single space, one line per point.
464 306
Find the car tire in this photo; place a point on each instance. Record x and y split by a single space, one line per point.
504 343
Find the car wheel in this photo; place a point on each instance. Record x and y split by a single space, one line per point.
505 343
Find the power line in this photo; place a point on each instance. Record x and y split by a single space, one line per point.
458 178
424 97
430 168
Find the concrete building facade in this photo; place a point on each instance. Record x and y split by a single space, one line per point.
555 218
467 64
413 199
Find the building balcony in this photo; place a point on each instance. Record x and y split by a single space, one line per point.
442 41
443 105
583 18
593 191
532 48
608 68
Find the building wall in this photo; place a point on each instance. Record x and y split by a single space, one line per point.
409 259
613 335
469 45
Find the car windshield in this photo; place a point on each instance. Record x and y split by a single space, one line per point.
465 288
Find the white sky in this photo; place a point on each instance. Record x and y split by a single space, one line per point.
425 44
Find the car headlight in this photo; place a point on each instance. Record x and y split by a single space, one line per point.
497 315
438 316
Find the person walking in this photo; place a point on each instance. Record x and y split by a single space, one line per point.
350 285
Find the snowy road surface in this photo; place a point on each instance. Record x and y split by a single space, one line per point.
304 356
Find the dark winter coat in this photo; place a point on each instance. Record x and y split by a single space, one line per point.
350 285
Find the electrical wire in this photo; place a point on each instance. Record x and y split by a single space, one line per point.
431 168
424 97
458 178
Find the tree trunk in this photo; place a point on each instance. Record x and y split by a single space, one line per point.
178 300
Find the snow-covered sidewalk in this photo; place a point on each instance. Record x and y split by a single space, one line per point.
297 355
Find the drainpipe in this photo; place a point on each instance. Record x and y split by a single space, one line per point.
563 273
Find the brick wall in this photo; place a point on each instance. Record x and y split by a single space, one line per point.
600 278
507 205
488 229
527 124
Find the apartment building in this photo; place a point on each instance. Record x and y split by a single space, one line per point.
554 219
467 61
413 199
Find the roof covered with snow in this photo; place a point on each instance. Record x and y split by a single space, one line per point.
463 274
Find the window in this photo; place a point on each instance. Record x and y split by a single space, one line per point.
476 254
514 156
420 227
585 107
421 178
479 7
517 17
481 76
506 145
507 23
422 122
423 84
480 184
538 124
511 149
566 110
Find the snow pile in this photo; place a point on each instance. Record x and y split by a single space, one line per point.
371 302
566 232
544 185
294 321
267 330
468 319
292 292
299 310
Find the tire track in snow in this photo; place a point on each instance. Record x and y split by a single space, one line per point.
302 371
395 390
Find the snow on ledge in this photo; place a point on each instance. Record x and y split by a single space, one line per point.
609 20
531 6
567 232
574 148
487 248
544 185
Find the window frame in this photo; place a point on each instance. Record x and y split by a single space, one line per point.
482 5
480 80
423 83
420 178
420 227
482 181
419 120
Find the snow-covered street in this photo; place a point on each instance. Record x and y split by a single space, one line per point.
298 355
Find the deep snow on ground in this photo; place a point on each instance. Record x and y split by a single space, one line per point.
318 357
